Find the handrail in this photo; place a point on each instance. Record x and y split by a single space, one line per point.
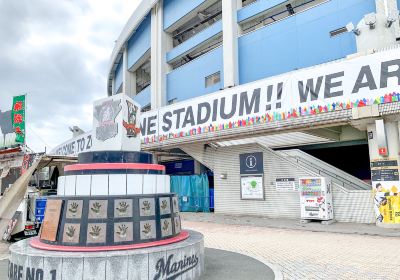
323 167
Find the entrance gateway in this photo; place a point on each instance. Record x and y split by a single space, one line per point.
316 122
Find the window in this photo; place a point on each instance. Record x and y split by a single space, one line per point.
143 77
200 21
247 2
213 79
280 12
172 101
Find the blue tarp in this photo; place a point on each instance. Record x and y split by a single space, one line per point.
193 192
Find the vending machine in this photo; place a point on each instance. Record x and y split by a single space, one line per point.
316 198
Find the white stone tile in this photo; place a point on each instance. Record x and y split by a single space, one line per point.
99 185
149 184
134 184
157 259
117 184
52 268
187 252
94 268
35 262
117 268
72 268
160 188
83 183
198 252
138 267
167 184
61 186
175 256
70 184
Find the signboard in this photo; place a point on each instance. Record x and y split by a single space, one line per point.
357 82
285 184
251 163
386 188
116 124
12 124
252 187
18 118
11 225
51 220
79 144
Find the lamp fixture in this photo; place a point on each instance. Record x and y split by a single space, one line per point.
370 20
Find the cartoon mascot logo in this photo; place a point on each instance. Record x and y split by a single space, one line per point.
106 114
131 128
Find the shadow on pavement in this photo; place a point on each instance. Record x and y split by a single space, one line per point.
222 264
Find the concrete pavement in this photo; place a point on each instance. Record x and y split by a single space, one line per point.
306 254
310 251
4 250
343 228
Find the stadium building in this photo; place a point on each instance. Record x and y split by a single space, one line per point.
269 92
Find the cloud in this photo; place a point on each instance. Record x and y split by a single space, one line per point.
57 53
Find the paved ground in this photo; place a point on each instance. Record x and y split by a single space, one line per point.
3 250
345 228
302 254
311 251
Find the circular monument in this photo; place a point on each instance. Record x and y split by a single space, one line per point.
114 216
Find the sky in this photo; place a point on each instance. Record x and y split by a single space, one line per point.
57 52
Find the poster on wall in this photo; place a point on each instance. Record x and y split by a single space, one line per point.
386 188
285 184
12 124
252 187
362 81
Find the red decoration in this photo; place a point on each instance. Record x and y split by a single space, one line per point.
382 151
18 106
17 118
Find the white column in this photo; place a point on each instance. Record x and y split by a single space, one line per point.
384 171
160 43
381 35
113 86
230 42
129 78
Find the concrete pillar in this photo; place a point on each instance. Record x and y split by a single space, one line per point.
161 42
198 168
384 158
381 35
230 42
113 86
129 78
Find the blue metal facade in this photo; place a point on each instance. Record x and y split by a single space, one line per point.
298 41
140 42
174 10
144 97
301 40
188 81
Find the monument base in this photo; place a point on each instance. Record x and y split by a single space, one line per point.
181 260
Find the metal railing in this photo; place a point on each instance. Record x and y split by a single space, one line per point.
322 168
